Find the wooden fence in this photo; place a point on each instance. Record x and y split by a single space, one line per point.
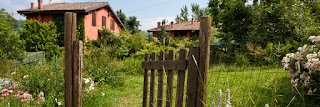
197 65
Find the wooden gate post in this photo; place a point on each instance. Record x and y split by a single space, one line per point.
73 62
69 37
198 67
76 74
204 44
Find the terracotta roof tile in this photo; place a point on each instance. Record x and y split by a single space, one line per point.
67 7
180 26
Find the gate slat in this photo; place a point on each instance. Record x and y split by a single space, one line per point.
169 81
180 82
194 57
160 82
152 82
145 84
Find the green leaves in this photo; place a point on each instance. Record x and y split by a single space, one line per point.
184 14
282 22
10 44
131 23
40 37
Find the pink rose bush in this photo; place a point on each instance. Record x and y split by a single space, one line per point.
304 66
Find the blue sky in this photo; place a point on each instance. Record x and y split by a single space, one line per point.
149 12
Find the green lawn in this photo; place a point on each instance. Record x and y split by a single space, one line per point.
249 86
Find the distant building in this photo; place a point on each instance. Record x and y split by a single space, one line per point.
179 29
96 15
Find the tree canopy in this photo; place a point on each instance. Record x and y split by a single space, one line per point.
264 24
10 44
131 23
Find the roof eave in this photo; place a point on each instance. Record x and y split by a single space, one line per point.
121 24
51 11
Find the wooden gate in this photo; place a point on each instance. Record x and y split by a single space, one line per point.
197 64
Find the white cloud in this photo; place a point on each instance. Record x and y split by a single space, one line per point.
149 23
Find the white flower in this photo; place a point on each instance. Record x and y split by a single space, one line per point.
102 94
91 87
286 60
59 103
312 38
300 49
304 48
13 73
290 55
86 80
25 76
314 59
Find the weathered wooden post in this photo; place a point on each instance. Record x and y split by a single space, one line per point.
76 74
192 81
160 81
73 62
198 67
152 82
170 73
204 44
181 79
69 37
145 83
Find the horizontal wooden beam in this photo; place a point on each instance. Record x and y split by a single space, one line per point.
167 64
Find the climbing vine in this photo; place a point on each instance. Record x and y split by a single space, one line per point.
59 22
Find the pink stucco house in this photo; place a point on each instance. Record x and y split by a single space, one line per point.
180 29
96 15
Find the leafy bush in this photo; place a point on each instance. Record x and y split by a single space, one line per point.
10 44
132 66
103 68
123 45
304 67
28 81
40 37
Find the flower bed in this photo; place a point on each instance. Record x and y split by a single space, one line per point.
304 67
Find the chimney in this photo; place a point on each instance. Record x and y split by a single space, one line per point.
178 20
159 25
192 21
40 4
32 5
172 24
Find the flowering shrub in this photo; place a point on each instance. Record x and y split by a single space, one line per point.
304 67
21 95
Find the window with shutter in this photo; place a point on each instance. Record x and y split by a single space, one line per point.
94 18
103 21
112 24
